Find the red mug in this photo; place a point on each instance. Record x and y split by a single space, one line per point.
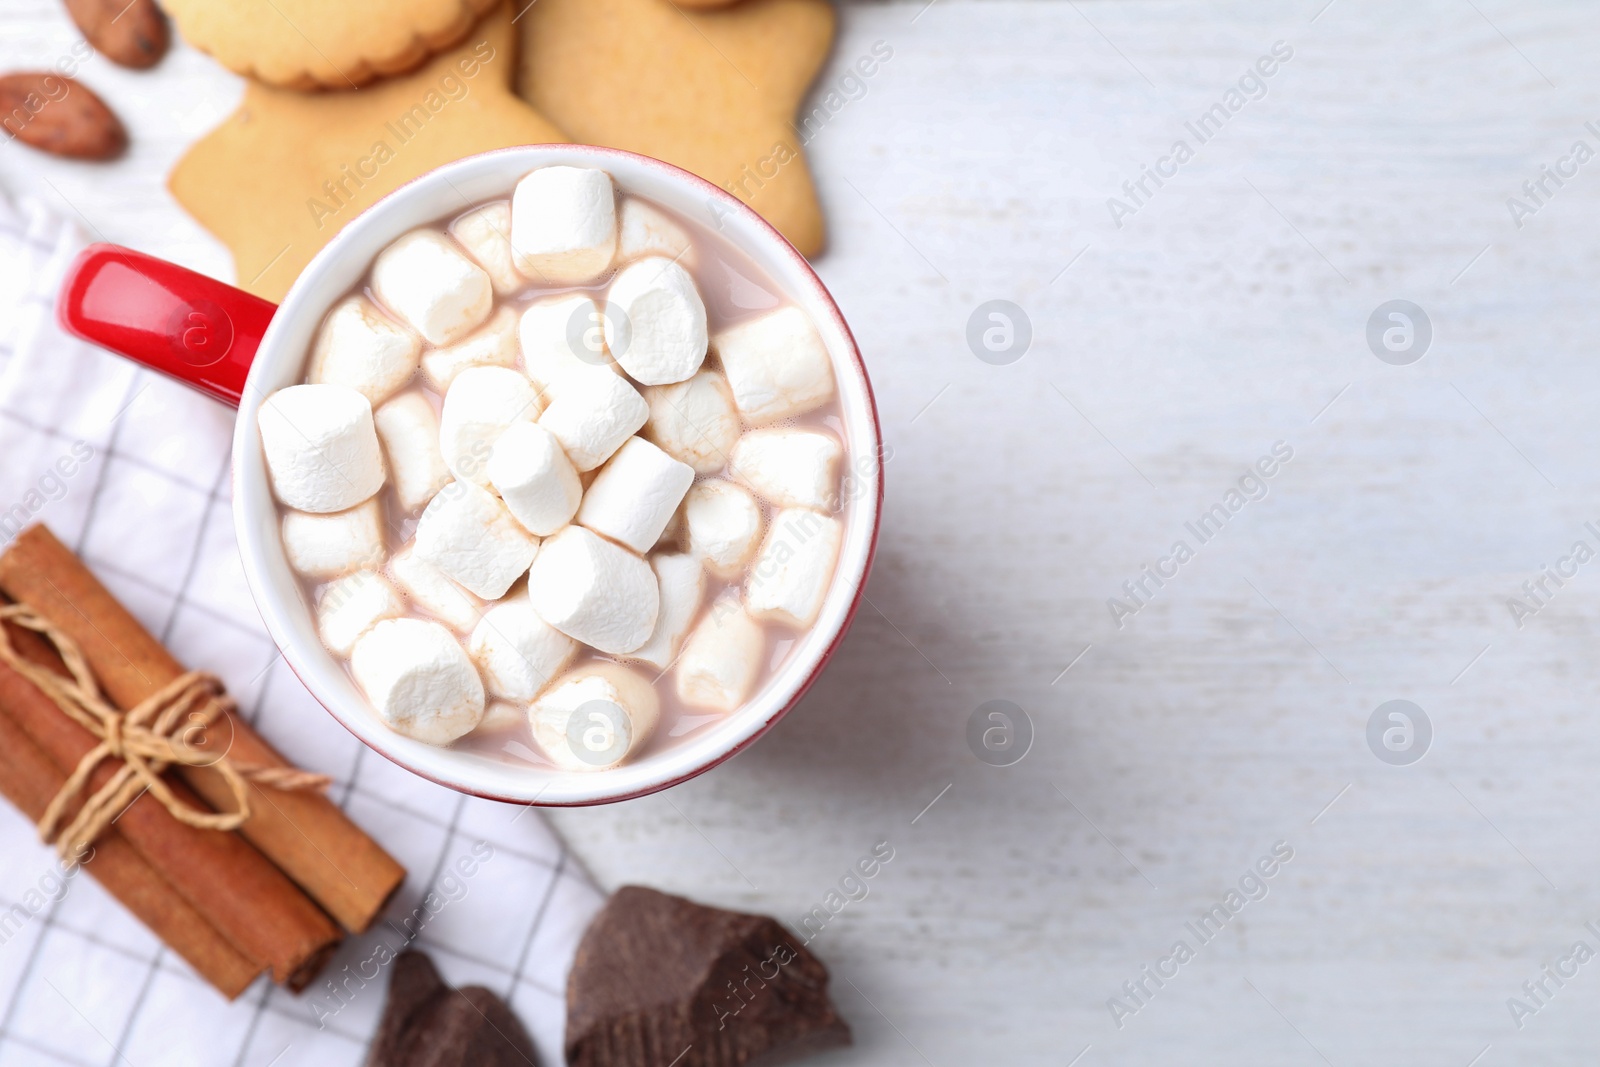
196 329
239 348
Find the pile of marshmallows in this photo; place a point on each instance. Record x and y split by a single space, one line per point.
535 409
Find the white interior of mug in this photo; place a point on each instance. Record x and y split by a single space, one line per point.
280 362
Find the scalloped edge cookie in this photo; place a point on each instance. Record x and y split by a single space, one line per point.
323 44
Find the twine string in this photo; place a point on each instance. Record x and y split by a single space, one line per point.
159 731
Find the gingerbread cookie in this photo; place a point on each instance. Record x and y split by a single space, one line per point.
323 44
714 92
282 174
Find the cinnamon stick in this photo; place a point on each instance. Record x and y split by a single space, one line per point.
220 875
29 780
303 832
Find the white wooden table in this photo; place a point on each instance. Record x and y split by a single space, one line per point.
1228 312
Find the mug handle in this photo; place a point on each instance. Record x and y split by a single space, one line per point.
190 327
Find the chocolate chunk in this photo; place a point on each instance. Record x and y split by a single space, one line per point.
428 1024
413 985
661 980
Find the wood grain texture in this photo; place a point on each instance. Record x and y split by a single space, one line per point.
1224 316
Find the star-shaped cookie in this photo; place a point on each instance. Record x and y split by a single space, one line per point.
285 171
323 44
713 91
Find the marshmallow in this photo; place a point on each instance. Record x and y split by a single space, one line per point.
655 321
673 534
592 415
694 421
486 235
635 494
430 283
469 535
502 716
482 404
721 659
535 478
564 225
608 709
361 347
683 586
321 448
351 606
776 365
432 591
724 526
790 576
594 591
495 345
326 546
789 468
409 429
644 230
418 679
561 336
517 651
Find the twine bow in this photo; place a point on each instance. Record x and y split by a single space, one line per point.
166 728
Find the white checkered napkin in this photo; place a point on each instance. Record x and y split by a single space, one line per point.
131 471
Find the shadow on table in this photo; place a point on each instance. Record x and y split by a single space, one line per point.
880 717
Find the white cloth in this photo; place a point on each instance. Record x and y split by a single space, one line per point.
130 470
